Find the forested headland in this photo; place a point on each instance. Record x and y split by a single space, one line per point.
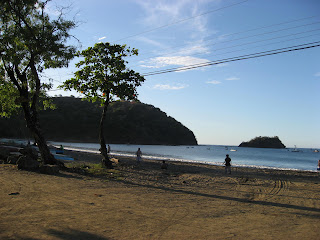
126 123
264 142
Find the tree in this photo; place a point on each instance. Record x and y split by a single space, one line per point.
103 77
29 43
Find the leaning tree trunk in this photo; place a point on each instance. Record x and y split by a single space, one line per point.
30 110
33 125
103 149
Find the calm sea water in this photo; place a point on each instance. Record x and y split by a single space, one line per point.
305 159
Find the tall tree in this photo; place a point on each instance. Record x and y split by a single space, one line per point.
104 76
29 43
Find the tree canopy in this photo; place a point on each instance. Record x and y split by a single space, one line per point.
104 76
29 43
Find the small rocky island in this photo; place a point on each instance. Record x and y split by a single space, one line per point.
264 142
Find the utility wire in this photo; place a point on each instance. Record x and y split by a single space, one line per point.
227 59
264 40
241 38
233 59
287 40
180 21
236 33
247 43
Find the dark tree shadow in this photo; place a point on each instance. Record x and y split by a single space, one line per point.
72 234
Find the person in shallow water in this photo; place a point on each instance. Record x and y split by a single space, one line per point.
227 163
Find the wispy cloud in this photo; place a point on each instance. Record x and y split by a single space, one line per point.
101 38
317 74
165 13
169 87
151 42
181 61
232 78
214 82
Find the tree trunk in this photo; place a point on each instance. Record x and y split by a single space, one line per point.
30 112
103 149
33 125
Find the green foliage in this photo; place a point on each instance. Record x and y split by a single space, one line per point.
103 74
8 95
96 170
29 43
129 122
264 142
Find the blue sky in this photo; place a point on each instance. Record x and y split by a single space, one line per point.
227 103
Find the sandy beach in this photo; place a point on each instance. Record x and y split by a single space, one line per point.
186 201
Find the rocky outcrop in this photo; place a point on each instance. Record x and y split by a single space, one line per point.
264 142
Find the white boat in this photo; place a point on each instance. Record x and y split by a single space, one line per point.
295 149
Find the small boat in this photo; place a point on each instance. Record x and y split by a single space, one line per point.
63 157
233 150
295 149
316 151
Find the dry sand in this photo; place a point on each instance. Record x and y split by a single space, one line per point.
187 201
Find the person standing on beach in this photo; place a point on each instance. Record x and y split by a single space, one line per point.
109 148
227 163
139 154
164 165
318 168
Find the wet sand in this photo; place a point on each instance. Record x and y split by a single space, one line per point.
187 201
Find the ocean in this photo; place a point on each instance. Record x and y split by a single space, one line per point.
305 159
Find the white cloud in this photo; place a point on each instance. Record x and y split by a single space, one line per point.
169 87
101 38
163 12
317 74
232 78
151 42
181 61
195 48
214 82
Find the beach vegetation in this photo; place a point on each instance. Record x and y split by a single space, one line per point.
95 170
103 77
30 42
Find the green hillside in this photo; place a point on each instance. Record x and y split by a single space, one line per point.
126 122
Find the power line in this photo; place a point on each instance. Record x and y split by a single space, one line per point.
241 38
220 61
264 40
233 59
180 21
249 43
287 40
236 33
